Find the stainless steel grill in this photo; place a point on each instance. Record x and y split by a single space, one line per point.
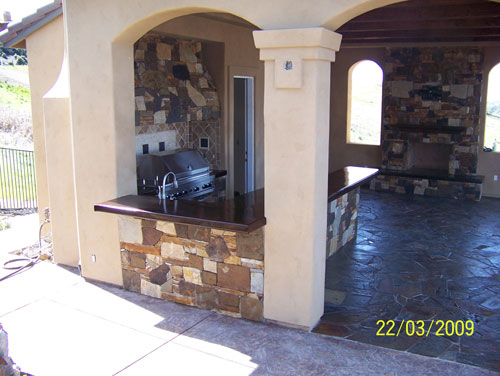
186 175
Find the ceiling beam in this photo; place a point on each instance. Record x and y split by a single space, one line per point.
412 41
434 12
442 33
463 23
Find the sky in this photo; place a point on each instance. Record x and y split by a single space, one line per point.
494 84
369 72
21 8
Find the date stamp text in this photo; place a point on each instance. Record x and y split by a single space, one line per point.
421 328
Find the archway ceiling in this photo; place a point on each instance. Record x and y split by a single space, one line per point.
421 21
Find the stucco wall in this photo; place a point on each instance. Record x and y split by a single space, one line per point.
46 50
341 153
488 163
102 102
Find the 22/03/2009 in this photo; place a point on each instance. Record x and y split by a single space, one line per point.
422 328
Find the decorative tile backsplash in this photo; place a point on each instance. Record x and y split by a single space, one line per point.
176 101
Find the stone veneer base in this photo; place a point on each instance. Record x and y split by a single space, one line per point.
198 266
342 221
427 187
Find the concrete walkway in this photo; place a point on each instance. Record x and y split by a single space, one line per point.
58 324
22 233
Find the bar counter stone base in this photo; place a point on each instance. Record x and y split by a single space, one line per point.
342 221
204 267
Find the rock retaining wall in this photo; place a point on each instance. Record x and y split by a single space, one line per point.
7 367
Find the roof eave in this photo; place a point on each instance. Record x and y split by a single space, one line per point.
18 39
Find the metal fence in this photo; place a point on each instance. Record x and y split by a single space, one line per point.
17 179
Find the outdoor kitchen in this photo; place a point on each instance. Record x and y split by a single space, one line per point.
184 237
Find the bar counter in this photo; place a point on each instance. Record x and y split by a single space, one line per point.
242 214
211 254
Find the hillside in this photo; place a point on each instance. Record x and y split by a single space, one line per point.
15 100
13 56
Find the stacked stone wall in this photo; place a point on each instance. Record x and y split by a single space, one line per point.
432 95
342 221
198 266
428 88
428 187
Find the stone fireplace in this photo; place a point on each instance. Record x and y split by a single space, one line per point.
430 135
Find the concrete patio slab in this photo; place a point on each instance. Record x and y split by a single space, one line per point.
48 338
282 351
28 286
58 324
176 359
131 310
22 233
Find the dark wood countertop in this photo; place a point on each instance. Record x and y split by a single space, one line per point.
346 179
242 214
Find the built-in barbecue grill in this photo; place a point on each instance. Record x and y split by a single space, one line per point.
169 175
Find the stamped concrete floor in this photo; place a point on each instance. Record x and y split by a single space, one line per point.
58 324
420 258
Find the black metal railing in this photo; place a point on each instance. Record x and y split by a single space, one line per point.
17 179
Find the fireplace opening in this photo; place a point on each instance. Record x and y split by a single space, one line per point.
425 156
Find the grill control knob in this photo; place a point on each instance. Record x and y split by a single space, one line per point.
196 189
184 192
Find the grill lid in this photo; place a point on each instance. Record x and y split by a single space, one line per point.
182 164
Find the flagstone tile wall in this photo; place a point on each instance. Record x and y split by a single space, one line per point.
175 92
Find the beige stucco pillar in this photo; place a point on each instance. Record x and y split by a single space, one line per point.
59 157
45 49
296 129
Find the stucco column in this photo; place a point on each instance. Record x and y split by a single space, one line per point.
59 157
296 130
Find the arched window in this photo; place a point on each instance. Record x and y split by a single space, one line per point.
364 103
492 122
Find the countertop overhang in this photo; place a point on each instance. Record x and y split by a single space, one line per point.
241 214
348 178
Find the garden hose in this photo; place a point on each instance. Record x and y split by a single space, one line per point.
28 262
